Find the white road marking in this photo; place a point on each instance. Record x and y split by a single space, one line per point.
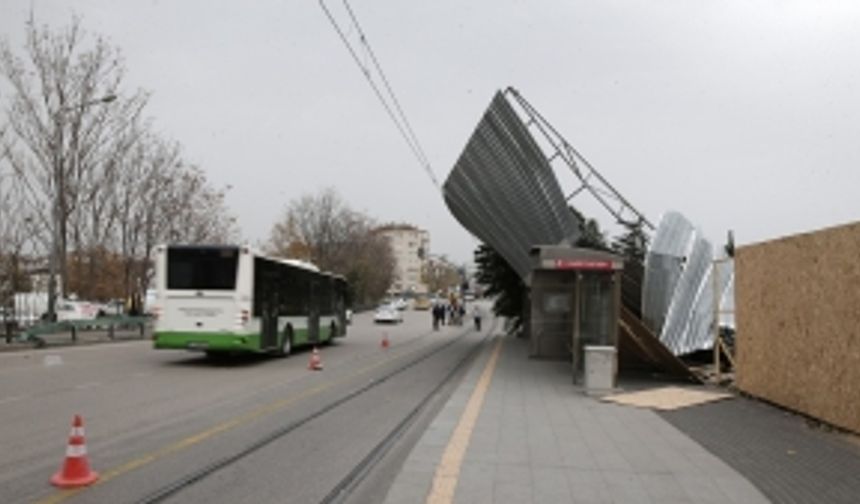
82 386
52 360
10 399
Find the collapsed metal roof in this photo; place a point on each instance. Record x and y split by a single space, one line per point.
503 189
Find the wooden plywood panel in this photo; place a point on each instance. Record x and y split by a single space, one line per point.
667 398
798 318
639 348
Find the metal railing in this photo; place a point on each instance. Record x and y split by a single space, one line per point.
110 325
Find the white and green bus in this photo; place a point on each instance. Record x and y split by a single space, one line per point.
224 299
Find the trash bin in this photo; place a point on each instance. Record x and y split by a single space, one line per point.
600 369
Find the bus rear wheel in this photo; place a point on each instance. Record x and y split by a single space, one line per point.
287 344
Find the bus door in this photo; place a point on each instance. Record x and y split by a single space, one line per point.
314 312
339 306
268 313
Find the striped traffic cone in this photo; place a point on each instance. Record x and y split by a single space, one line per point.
76 470
315 363
385 343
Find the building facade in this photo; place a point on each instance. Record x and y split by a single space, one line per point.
410 247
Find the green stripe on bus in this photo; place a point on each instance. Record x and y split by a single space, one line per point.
301 337
224 342
228 342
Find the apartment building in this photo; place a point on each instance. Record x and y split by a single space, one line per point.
410 247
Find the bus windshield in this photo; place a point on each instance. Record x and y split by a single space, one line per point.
202 268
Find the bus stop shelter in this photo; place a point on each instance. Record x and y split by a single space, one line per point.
575 303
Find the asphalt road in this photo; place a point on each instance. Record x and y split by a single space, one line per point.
166 426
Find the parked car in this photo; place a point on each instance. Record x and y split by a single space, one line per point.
112 308
387 314
75 310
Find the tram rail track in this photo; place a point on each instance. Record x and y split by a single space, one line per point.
343 488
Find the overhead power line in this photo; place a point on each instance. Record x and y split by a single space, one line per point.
386 96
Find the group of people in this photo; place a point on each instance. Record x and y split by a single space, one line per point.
453 314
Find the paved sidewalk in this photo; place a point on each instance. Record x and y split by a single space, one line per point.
538 440
785 457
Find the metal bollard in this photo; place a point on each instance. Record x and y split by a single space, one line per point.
74 333
111 334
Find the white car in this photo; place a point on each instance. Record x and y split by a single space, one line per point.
400 304
387 314
76 310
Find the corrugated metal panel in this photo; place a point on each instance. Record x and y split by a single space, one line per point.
664 263
688 319
678 293
503 190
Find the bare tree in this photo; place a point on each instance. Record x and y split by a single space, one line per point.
321 228
15 237
369 265
440 275
194 210
138 205
60 139
94 225
160 199
95 182
320 222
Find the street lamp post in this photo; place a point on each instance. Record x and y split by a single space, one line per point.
59 189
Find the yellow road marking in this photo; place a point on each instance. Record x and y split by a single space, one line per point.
199 437
448 470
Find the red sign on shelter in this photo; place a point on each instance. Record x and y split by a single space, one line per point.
575 264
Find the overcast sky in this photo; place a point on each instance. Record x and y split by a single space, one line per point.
741 115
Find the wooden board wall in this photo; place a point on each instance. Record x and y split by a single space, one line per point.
798 323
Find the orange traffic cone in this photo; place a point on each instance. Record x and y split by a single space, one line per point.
385 343
76 470
315 363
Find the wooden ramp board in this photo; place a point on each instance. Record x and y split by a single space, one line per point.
667 398
640 348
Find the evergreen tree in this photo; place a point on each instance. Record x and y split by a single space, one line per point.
501 281
591 236
633 243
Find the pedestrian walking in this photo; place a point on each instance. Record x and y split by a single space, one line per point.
476 315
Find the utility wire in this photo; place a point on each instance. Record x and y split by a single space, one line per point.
385 81
396 113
